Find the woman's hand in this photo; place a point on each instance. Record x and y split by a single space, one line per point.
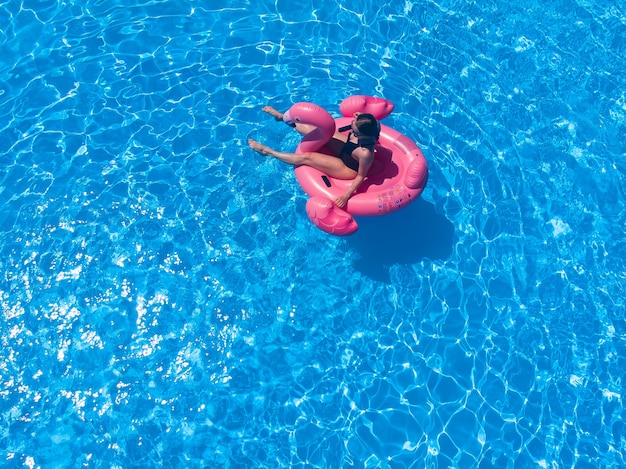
342 200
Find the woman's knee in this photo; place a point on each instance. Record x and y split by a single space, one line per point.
307 157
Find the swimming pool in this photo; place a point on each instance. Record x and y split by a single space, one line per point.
167 303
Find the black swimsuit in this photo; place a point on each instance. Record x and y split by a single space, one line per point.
346 153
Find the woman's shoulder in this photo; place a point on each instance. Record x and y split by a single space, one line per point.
363 153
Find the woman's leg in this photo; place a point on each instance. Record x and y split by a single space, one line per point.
330 165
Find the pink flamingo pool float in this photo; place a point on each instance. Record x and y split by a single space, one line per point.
396 178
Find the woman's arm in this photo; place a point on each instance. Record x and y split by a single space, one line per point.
365 161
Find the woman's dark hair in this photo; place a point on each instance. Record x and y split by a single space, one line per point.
368 125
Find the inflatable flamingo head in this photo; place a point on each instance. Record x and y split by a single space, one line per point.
309 113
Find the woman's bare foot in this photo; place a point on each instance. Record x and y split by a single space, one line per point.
258 147
273 112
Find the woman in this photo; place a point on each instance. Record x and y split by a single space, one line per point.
354 154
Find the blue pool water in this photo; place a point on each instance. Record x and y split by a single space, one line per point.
166 302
